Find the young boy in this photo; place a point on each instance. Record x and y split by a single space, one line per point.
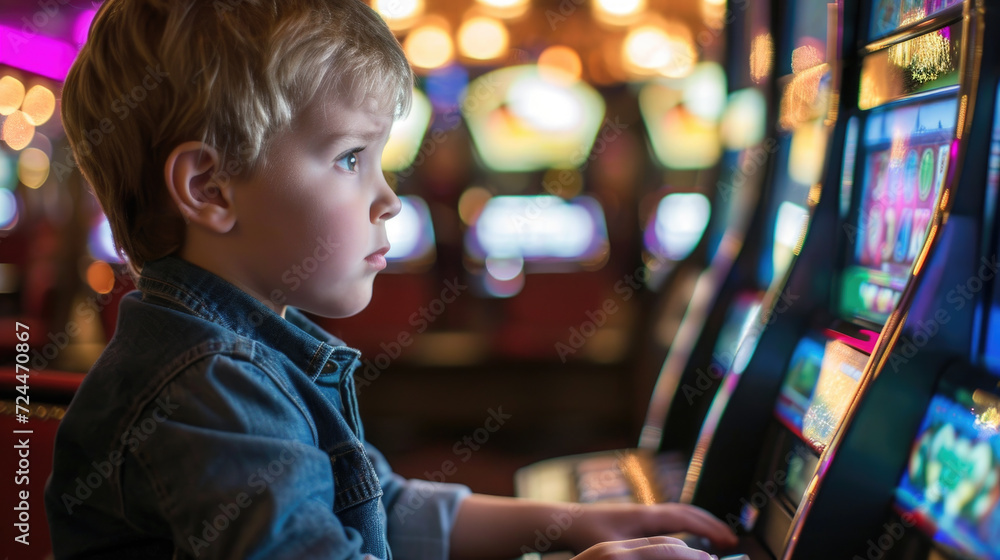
228 142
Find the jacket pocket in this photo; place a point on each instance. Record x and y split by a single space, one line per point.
354 478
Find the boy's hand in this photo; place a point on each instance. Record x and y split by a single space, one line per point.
618 522
658 548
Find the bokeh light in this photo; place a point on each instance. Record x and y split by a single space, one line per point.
399 14
743 121
505 268
705 91
8 209
406 135
471 204
559 63
11 95
17 130
33 167
618 12
8 175
482 38
101 243
403 230
39 105
100 277
761 57
429 46
505 8
649 50
81 27
678 225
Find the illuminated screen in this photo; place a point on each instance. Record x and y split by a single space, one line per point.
887 15
407 134
799 462
682 117
540 229
523 120
952 482
677 225
905 161
800 380
839 375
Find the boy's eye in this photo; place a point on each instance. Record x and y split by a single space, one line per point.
349 161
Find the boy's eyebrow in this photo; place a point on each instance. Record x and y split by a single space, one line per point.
333 136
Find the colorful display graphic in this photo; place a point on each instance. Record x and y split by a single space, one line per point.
951 482
839 377
888 15
800 380
907 154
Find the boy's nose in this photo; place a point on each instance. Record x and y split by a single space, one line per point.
387 205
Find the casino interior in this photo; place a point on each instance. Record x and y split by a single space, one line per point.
740 255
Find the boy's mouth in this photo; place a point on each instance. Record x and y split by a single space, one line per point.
377 259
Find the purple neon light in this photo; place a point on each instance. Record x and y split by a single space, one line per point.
36 53
81 28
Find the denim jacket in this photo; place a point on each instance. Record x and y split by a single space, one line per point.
211 427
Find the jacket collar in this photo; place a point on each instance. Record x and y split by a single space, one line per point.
179 284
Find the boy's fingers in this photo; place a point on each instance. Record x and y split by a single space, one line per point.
667 552
650 541
700 522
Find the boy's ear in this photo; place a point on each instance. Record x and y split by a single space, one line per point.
202 193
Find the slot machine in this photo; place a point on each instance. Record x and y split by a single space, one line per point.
716 306
802 452
536 241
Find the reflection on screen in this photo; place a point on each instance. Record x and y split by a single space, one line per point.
907 151
800 380
789 213
838 382
952 481
740 319
887 15
992 354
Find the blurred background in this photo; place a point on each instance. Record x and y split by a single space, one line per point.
558 172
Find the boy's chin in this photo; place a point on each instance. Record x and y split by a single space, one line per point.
338 309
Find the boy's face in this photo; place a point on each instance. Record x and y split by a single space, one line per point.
313 216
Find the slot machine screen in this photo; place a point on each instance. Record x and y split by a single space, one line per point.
523 118
544 232
952 482
800 380
906 152
888 15
839 376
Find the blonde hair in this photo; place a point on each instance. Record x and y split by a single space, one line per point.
230 73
